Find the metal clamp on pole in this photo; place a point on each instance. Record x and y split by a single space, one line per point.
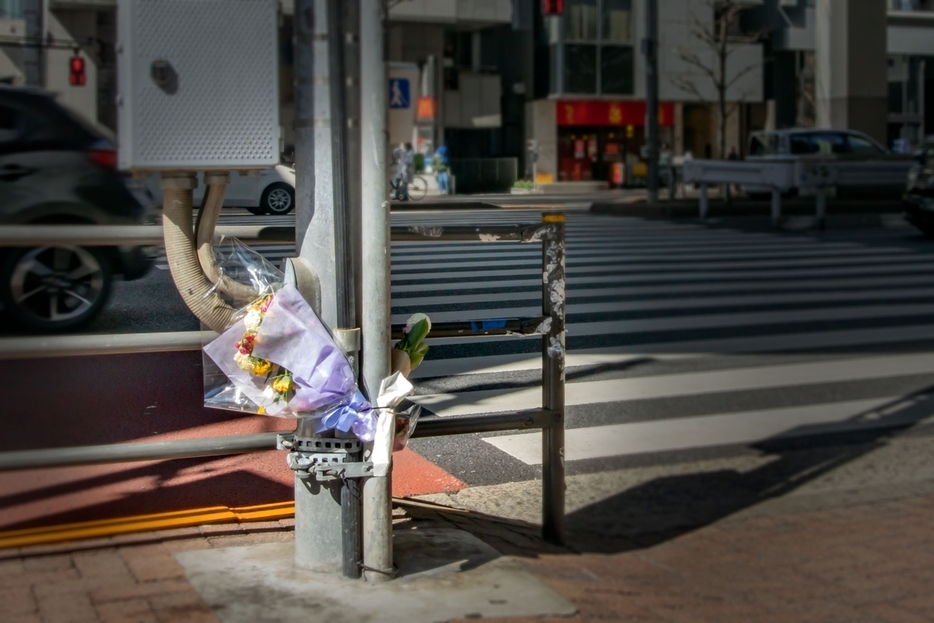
324 459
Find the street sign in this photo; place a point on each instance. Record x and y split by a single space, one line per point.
399 93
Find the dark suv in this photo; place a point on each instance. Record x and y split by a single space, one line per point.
56 169
919 194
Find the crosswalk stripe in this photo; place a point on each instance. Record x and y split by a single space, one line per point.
703 272
653 265
713 430
678 304
731 320
746 298
686 384
667 293
784 342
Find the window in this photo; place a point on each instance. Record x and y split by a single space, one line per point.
580 71
616 70
11 9
824 144
617 21
597 53
831 143
581 20
802 144
9 126
860 145
763 144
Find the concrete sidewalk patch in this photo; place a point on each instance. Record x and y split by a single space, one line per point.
444 574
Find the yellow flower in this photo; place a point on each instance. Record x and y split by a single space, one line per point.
261 367
282 384
261 411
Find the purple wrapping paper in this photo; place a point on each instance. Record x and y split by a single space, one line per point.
293 337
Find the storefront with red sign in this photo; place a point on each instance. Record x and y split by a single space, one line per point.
603 140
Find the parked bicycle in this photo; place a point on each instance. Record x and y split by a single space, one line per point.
416 189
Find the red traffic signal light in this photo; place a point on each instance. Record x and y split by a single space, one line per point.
552 7
76 75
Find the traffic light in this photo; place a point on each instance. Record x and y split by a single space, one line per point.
76 76
552 7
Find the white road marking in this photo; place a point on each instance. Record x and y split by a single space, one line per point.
707 431
686 384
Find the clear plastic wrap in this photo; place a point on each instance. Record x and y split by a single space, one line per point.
406 417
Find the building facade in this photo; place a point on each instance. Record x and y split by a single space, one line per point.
587 116
792 79
489 77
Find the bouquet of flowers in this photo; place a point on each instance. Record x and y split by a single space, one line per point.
279 359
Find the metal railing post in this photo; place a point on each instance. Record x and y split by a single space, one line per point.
776 207
704 201
821 200
553 347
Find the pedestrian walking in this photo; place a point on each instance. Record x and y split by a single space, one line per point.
667 171
408 169
439 163
730 189
399 183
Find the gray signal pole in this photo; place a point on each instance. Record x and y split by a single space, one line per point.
374 269
650 50
342 225
328 535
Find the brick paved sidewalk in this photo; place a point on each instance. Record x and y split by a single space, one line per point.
872 562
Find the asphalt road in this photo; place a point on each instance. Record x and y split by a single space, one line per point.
686 342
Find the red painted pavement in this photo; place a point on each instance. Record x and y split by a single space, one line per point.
93 400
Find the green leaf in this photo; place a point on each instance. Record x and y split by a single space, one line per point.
419 331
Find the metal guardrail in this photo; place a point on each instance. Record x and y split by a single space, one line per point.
781 176
550 325
127 235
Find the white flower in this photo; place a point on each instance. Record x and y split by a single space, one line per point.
415 318
243 361
252 320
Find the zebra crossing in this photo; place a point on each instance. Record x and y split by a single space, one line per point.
681 336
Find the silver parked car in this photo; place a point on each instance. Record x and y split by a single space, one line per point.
817 143
271 191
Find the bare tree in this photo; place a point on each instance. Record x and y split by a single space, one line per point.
717 32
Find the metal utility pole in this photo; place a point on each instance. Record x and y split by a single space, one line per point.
328 533
32 54
650 50
374 268
343 24
340 168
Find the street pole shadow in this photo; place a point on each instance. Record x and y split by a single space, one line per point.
667 507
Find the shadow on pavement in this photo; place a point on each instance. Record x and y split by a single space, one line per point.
668 507
179 485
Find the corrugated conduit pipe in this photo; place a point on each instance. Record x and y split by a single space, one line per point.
204 237
197 290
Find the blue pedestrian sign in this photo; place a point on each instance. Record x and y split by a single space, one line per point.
399 93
